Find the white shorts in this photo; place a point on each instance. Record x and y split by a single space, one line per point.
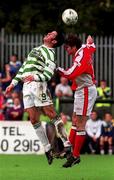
84 100
36 94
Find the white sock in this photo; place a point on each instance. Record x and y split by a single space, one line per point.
42 136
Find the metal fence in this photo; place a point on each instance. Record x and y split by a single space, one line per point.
21 44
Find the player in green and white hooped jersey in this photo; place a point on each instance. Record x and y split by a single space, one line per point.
35 72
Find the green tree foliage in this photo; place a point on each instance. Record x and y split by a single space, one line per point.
30 16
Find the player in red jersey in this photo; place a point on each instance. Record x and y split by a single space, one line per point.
82 75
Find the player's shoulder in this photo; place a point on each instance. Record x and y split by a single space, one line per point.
82 50
35 49
85 47
89 47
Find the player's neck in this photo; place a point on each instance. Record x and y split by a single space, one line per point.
49 45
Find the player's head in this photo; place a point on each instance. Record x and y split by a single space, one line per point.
59 38
72 43
54 39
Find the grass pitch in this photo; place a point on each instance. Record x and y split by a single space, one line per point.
34 167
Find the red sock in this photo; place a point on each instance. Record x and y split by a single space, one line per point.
72 136
79 141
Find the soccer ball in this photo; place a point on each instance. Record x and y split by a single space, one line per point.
70 17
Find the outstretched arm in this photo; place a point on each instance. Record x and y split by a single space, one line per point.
77 68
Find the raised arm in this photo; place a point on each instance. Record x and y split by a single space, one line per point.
90 44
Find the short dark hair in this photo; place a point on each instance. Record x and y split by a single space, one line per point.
14 55
60 38
73 40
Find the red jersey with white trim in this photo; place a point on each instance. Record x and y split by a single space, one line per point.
81 72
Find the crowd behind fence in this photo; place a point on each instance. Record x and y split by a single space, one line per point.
21 44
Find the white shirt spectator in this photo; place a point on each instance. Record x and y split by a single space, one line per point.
93 128
63 89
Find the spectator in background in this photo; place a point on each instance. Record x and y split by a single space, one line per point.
63 89
10 71
14 64
67 122
93 130
16 112
107 134
104 93
5 77
2 99
9 102
2 116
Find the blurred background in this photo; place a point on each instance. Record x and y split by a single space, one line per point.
22 26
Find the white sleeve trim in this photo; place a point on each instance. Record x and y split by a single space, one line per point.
14 82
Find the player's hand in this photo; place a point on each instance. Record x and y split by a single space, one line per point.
28 79
9 88
59 69
89 40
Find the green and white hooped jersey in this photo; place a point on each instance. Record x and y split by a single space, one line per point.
40 63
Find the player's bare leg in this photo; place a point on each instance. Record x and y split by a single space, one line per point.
59 126
34 115
56 143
